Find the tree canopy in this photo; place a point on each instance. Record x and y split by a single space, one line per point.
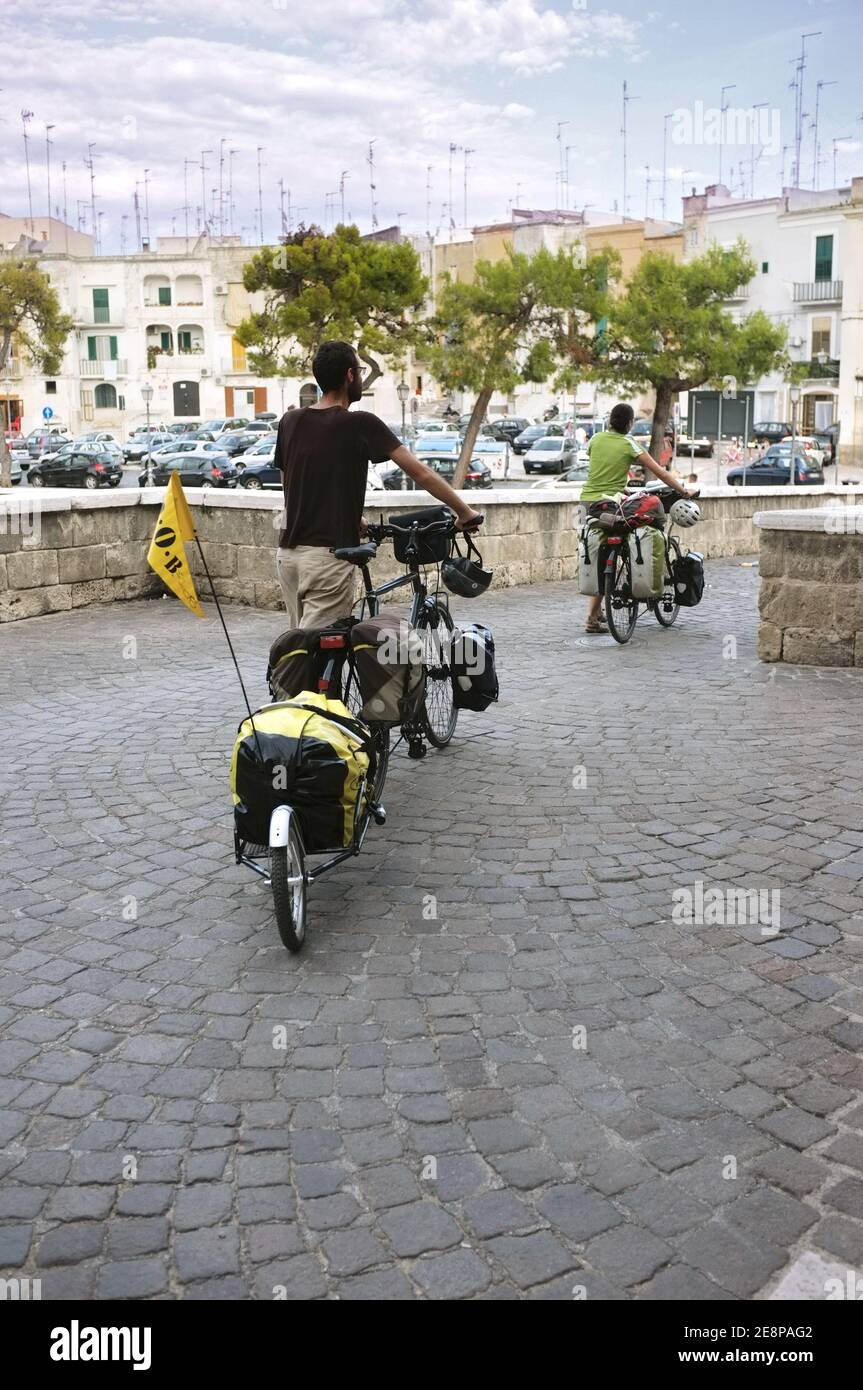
31 319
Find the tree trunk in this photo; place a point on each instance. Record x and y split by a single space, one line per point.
5 456
375 369
661 413
471 433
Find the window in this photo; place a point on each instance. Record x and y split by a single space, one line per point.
692 238
101 308
50 388
184 340
308 394
418 386
164 294
105 397
765 266
165 339
238 355
101 348
820 336
824 258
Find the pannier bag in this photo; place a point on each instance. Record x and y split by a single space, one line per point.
295 659
388 656
647 560
474 676
689 579
308 753
643 509
431 548
589 542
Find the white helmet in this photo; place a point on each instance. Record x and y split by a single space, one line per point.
685 512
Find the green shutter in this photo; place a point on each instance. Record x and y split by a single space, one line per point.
92 353
164 294
185 342
166 341
824 258
112 349
101 310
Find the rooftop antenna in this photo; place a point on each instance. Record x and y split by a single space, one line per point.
626 100
816 153
147 205
25 117
370 160
282 222
65 211
187 163
48 130
137 207
566 173
785 149
204 154
260 196
428 200
345 174
647 183
90 164
123 220
467 153
666 119
723 107
798 102
560 126
753 157
453 148
231 208
837 140
221 186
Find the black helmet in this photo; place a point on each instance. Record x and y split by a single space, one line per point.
464 575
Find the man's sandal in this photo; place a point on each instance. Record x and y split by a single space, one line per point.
596 625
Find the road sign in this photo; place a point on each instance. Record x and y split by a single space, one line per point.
47 412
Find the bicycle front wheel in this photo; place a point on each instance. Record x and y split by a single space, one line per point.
439 714
288 881
666 608
621 609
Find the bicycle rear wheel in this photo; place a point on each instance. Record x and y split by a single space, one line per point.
288 882
438 714
621 609
666 608
352 698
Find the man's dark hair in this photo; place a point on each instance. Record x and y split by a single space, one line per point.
621 418
332 363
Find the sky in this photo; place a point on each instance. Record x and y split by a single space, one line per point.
302 86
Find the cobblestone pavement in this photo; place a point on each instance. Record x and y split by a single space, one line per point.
548 1086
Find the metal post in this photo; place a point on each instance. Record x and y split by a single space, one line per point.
791 480
719 441
149 449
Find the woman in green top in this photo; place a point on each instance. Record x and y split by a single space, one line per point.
612 454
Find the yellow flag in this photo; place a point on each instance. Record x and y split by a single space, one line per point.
166 554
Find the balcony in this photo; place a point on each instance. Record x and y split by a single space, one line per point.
742 292
822 371
818 291
13 367
228 367
106 370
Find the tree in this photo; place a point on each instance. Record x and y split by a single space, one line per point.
30 317
669 329
519 320
318 287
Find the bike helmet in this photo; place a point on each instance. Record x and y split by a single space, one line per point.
685 512
463 574
643 509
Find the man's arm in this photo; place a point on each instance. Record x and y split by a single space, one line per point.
432 482
658 471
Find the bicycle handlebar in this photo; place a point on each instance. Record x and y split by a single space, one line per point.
386 530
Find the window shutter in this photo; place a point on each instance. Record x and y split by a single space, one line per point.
824 258
164 294
112 349
92 351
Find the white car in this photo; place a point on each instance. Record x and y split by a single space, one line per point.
811 446
549 455
571 478
373 481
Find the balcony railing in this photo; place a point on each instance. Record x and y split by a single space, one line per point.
12 368
106 369
822 371
817 291
742 292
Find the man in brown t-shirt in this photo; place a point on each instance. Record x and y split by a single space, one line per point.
323 452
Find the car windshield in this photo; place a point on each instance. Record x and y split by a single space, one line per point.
550 445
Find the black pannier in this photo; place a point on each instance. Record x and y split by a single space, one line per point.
295 659
688 573
474 676
431 548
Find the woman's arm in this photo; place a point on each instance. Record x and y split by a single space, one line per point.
658 471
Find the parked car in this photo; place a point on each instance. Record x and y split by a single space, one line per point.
576 474
551 454
40 439
528 437
774 469
269 417
195 470
478 473
258 473
182 427
100 439
79 468
265 448
643 429
17 472
71 447
694 446
136 447
809 444
507 427
262 424
828 442
769 431
443 443
223 423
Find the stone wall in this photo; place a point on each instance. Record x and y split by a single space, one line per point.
81 548
811 596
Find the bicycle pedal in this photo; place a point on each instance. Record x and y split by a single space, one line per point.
417 749
379 815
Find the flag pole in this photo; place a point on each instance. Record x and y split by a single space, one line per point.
227 639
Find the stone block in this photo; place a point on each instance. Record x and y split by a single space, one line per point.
92 591
268 596
771 554
221 559
130 586
78 563
255 563
814 647
796 603
34 603
126 558
32 569
769 642
227 524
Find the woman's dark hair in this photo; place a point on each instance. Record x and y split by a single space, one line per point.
331 364
621 418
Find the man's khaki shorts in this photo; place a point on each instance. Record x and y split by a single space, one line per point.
317 587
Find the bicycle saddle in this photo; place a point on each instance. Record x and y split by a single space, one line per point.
357 554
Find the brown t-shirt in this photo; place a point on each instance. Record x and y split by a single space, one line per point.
324 459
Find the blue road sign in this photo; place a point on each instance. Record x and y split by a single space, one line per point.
47 412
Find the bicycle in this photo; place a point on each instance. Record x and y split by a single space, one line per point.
283 861
615 566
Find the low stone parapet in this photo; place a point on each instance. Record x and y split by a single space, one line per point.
811 596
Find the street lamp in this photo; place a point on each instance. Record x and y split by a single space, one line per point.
146 397
403 391
283 381
794 397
